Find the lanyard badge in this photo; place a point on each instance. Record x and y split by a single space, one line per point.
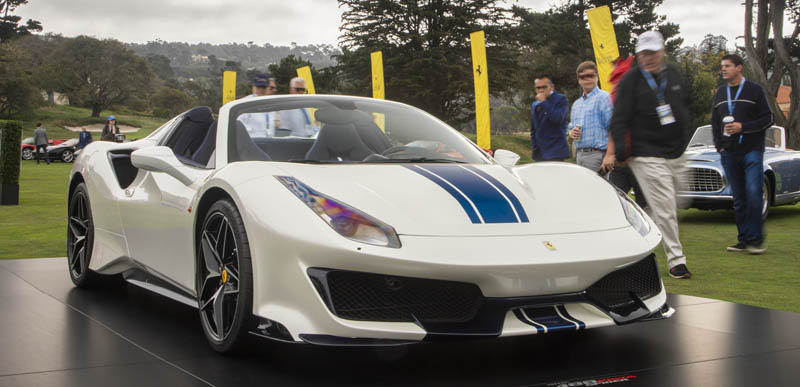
664 111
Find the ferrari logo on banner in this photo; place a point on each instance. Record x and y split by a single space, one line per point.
604 41
228 86
305 73
378 92
481 76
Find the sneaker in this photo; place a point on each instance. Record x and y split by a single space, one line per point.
680 271
756 248
741 246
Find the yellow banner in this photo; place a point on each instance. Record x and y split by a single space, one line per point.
377 75
305 73
228 86
604 42
378 91
481 76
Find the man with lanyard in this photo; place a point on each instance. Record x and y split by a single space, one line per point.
589 120
650 128
298 121
260 124
739 120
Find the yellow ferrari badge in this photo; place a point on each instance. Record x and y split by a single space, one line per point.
549 245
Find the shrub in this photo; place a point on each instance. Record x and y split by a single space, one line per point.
9 153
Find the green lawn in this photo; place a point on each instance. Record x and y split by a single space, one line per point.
37 228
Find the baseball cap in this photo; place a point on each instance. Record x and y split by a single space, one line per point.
262 80
649 41
111 118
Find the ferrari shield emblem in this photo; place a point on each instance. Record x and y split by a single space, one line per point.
549 245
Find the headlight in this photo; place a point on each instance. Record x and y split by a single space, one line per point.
634 214
346 220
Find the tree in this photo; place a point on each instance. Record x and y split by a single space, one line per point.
770 73
18 92
41 62
161 67
9 24
168 102
426 51
700 69
101 73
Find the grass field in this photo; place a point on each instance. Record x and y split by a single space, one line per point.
37 228
55 118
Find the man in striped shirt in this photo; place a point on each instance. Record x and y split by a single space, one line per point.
590 119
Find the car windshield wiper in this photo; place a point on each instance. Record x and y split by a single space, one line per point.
418 160
312 161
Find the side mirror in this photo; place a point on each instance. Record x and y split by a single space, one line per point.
161 159
506 157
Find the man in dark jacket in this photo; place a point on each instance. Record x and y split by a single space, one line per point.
650 128
41 141
549 122
739 119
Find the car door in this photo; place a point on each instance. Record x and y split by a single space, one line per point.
158 221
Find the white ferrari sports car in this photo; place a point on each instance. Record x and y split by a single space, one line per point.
338 220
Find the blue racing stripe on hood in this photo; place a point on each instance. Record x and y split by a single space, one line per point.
491 205
523 217
462 199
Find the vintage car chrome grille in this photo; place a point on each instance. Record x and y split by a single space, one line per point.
614 291
703 180
378 297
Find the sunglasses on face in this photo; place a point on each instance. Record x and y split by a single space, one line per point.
587 76
541 87
300 89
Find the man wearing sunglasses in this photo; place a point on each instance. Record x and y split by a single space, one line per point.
590 119
549 122
299 121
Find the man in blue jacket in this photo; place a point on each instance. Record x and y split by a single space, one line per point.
549 122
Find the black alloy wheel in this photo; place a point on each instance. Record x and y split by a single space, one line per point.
27 153
80 238
224 278
67 155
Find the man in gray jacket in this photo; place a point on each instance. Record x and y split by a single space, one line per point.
41 142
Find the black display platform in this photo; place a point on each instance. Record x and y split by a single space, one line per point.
52 334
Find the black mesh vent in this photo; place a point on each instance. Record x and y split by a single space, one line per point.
377 297
615 289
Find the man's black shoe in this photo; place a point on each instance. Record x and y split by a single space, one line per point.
680 272
757 248
741 246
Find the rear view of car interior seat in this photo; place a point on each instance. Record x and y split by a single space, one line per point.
338 139
191 133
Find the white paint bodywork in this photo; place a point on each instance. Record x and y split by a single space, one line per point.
149 225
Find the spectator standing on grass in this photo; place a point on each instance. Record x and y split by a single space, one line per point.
650 127
739 119
589 119
549 122
621 176
299 121
260 124
40 140
84 138
110 130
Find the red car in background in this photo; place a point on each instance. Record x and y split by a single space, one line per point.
55 148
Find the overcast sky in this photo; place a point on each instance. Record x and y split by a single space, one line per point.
281 22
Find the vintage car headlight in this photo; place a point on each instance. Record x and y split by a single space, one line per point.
346 220
634 214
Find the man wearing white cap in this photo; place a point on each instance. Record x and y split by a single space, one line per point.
650 128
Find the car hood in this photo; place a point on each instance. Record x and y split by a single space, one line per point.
470 200
703 154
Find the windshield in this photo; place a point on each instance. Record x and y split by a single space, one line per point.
332 129
773 137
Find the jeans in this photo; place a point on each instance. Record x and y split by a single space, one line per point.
745 175
623 178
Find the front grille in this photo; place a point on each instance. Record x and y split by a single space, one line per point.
377 297
614 291
703 180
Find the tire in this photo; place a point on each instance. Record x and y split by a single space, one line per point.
767 195
224 279
27 154
67 155
80 238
